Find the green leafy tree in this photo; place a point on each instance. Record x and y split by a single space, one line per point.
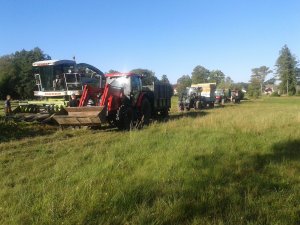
16 73
183 82
286 71
298 80
148 75
226 84
216 76
298 74
164 79
254 89
270 81
261 74
240 86
113 71
200 75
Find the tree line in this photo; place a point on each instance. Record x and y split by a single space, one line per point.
202 75
16 73
286 71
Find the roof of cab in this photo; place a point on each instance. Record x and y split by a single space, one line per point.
121 74
52 62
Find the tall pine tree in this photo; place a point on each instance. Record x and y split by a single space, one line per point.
286 71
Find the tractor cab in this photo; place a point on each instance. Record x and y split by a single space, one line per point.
130 83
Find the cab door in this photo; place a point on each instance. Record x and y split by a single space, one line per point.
136 88
38 81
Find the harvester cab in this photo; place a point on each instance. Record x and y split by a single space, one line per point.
62 78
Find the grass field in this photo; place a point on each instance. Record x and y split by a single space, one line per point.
233 165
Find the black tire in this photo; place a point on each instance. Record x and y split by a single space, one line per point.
124 118
164 113
128 121
198 105
181 107
145 112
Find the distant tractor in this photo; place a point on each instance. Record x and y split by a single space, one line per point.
236 96
208 93
124 103
190 98
220 96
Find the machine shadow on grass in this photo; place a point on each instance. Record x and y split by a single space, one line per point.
282 152
10 130
179 115
222 190
217 187
158 119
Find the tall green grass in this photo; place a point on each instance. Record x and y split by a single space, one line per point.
233 165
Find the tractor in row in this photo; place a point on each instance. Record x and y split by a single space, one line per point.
198 96
56 81
190 98
124 102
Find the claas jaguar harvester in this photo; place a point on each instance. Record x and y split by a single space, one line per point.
124 102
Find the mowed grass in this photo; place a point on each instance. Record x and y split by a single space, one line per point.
233 165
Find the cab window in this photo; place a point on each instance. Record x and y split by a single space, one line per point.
136 84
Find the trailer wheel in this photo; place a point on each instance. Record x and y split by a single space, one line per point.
145 112
164 113
181 106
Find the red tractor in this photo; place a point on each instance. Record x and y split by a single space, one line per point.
124 102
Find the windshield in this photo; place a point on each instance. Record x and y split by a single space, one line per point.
71 77
73 81
52 77
219 92
120 82
193 91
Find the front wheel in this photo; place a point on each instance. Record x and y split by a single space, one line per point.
145 112
124 118
197 105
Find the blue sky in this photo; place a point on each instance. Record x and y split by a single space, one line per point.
168 37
